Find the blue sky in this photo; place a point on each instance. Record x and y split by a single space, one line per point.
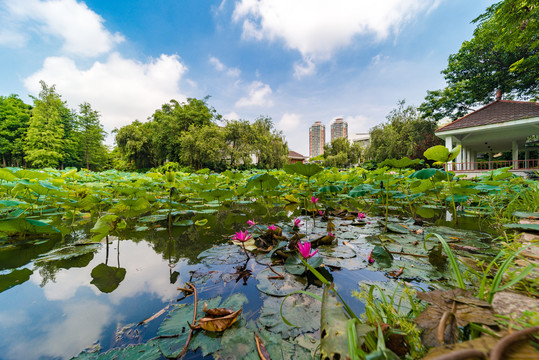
296 61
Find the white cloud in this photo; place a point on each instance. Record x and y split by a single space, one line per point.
231 116
259 95
219 66
318 28
304 69
81 30
289 122
122 90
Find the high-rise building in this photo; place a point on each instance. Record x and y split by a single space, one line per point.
317 139
339 129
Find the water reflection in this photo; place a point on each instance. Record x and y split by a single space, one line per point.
61 315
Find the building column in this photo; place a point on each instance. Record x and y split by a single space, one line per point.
449 146
490 157
527 159
474 160
515 154
459 157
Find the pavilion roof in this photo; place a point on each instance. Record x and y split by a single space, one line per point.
295 155
496 112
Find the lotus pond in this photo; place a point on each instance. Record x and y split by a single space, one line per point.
108 265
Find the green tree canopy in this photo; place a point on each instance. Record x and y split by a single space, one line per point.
90 137
406 133
270 149
137 145
501 56
44 144
14 117
174 118
341 153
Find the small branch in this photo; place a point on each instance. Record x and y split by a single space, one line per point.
184 350
497 352
279 276
186 290
462 355
403 253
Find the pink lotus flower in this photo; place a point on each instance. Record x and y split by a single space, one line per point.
242 236
297 222
322 213
314 200
251 223
392 172
361 216
370 259
304 249
272 228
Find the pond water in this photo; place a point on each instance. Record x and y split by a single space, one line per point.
58 299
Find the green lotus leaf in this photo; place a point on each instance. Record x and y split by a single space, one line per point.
307 170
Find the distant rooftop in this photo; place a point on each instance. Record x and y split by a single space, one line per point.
499 111
295 155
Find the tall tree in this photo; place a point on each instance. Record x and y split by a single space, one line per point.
269 147
203 147
136 144
44 139
14 117
501 56
341 153
90 135
239 137
405 133
174 118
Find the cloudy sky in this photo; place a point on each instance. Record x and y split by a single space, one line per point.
296 61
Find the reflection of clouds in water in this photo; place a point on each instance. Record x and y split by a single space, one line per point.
80 326
146 272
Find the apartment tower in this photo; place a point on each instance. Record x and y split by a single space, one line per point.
317 139
339 129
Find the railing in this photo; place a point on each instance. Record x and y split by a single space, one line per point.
531 164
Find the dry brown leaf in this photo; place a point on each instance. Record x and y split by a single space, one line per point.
217 312
262 351
218 324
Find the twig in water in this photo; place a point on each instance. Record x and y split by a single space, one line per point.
184 350
279 276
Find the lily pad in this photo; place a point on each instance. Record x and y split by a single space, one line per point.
299 309
146 351
222 255
278 287
176 324
522 227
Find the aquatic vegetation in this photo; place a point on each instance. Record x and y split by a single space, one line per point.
265 228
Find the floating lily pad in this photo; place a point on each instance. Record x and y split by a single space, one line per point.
299 309
278 287
69 252
183 223
223 254
146 351
176 324
526 215
522 227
